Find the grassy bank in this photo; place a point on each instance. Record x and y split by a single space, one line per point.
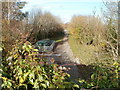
86 53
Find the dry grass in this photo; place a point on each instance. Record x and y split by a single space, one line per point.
86 53
89 54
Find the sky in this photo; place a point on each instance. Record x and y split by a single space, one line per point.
65 9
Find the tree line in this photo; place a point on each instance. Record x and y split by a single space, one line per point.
34 26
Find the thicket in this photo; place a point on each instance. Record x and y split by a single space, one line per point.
44 25
87 29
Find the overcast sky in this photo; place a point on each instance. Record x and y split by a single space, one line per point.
65 9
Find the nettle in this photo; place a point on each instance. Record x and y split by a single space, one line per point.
24 69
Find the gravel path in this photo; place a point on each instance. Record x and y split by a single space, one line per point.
67 58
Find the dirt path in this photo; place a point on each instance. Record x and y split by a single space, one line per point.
63 56
67 58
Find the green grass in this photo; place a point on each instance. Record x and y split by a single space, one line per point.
86 53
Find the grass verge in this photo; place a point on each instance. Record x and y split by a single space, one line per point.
86 53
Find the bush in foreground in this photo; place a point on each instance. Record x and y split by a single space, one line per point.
23 69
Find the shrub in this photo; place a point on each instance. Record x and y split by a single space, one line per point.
87 29
44 25
12 23
103 77
106 77
23 68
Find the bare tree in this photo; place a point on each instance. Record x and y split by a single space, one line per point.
111 20
12 23
44 25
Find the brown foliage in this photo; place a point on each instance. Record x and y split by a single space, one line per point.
11 31
87 29
40 26
44 25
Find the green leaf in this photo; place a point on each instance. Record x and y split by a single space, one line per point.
92 76
1 49
27 49
47 83
23 85
104 77
31 81
9 84
68 75
40 78
44 85
25 75
35 50
36 85
30 46
32 75
20 71
16 77
81 81
77 86
21 79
